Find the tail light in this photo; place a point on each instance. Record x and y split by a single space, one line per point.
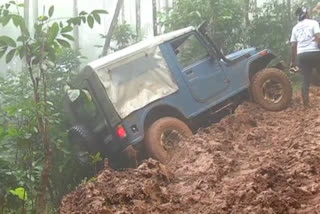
264 53
121 132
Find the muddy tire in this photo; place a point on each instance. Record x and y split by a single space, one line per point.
271 88
160 140
80 139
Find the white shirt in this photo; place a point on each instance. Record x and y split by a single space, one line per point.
304 34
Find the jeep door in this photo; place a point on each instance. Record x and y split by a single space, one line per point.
201 71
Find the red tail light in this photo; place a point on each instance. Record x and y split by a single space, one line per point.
264 53
121 132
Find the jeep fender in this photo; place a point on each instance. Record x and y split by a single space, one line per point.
146 116
159 111
262 60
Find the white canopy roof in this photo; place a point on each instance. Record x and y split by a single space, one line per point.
137 48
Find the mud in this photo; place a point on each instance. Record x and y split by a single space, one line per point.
251 162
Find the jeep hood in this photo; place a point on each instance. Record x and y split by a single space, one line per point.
244 52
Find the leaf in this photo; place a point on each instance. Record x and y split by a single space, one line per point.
10 55
97 17
90 21
13 132
53 32
52 54
68 36
6 12
20 192
43 18
21 51
3 51
51 11
84 20
64 43
83 13
5 20
18 20
100 11
9 41
73 94
66 29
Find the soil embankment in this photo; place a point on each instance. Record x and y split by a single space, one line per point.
251 162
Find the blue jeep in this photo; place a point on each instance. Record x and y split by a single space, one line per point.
161 89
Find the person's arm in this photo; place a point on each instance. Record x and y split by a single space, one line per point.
316 31
294 47
317 37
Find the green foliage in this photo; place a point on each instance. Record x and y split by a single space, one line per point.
123 36
33 139
20 193
225 18
96 158
268 27
271 28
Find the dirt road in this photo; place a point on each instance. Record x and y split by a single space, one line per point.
251 162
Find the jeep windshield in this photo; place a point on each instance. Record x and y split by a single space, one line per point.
137 80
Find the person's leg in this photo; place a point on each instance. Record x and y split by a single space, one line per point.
306 70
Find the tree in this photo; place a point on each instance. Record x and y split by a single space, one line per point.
35 6
225 19
76 28
39 52
113 25
138 17
26 12
154 17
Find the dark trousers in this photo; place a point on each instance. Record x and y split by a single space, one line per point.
307 62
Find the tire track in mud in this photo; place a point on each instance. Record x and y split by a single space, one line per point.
251 162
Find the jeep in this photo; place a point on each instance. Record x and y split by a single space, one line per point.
159 90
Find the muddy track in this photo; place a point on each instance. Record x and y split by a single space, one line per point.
251 162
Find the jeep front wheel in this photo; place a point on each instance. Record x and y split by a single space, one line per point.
163 136
271 88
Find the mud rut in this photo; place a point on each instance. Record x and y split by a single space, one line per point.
251 162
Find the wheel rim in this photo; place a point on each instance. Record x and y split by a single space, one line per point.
170 139
273 91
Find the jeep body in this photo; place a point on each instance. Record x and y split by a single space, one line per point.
179 74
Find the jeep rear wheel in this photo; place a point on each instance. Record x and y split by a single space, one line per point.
271 88
163 136
80 139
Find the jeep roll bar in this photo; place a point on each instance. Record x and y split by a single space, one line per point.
203 32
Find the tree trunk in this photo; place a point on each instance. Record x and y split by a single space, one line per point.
138 17
154 14
166 7
26 12
76 28
289 10
112 27
35 10
45 175
247 11
123 15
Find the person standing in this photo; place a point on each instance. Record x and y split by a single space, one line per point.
305 51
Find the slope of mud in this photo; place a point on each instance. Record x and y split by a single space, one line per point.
251 162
